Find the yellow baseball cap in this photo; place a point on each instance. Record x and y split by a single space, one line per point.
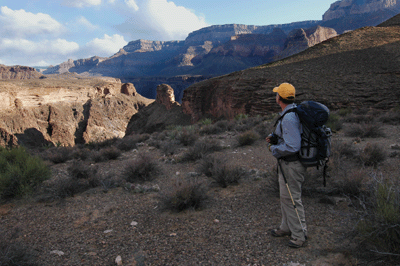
286 91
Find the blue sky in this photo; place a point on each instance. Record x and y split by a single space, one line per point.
49 32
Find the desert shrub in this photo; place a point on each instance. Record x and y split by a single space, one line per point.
247 123
13 254
345 111
205 121
142 169
58 154
372 155
379 225
187 136
170 147
200 149
81 177
264 129
344 149
351 184
93 145
130 142
248 138
20 173
183 194
80 170
222 173
240 117
359 118
106 154
391 117
364 131
81 153
334 122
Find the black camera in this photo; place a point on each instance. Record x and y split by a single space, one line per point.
273 138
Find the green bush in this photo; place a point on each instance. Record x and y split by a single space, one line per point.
380 224
20 173
183 194
334 122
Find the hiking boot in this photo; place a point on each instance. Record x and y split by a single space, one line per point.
279 233
296 243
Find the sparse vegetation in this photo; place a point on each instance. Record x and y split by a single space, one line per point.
364 130
183 194
248 138
372 155
200 149
142 169
20 173
222 173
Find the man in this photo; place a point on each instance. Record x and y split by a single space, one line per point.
285 149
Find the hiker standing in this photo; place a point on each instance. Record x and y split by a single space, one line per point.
285 144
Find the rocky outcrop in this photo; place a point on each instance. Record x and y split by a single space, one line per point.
345 8
300 40
42 116
341 72
18 72
158 115
165 96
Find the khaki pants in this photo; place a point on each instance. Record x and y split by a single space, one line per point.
294 173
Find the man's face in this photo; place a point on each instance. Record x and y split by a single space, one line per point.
277 98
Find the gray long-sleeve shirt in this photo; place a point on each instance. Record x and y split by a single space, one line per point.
289 130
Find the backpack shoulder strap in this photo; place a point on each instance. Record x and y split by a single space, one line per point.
281 117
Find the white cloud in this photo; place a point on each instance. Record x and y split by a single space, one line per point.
81 3
107 46
82 21
159 20
59 46
21 23
132 4
111 1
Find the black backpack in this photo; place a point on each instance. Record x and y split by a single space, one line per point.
316 137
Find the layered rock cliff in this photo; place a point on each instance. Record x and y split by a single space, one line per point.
81 111
344 71
347 8
18 72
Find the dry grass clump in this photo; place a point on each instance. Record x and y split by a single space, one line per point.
364 130
182 194
351 184
221 172
248 138
58 154
200 149
142 169
16 253
130 142
106 154
379 225
81 177
372 155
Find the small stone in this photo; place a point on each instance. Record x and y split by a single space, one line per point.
134 223
58 252
172 234
395 146
216 221
118 260
108 231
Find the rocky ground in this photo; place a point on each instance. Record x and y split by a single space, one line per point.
99 227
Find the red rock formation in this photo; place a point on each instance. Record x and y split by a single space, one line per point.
165 96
